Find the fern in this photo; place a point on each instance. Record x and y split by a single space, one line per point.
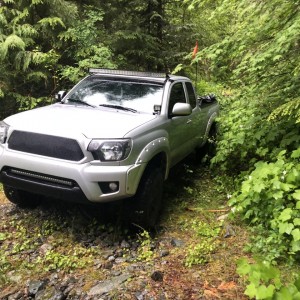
20 16
11 42
37 76
25 30
52 22
35 2
290 109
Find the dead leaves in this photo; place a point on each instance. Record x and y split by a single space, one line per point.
225 290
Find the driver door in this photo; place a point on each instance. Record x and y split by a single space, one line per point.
180 133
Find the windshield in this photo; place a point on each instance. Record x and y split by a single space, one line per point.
139 96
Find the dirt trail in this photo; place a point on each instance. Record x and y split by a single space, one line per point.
64 252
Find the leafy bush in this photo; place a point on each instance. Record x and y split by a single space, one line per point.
269 199
205 244
265 282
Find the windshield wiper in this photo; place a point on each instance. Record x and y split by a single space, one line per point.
118 107
80 101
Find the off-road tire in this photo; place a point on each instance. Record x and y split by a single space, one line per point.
21 198
146 204
209 148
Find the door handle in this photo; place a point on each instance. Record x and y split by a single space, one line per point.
189 121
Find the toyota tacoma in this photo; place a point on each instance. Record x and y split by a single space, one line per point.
115 135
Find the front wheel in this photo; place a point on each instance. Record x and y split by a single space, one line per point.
21 198
145 206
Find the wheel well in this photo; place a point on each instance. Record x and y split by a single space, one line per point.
213 129
159 160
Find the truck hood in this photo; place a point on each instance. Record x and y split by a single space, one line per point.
70 121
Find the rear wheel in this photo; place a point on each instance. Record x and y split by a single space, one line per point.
146 204
209 149
21 198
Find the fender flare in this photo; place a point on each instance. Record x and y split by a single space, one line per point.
210 122
159 145
152 149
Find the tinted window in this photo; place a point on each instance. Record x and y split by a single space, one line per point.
177 95
191 93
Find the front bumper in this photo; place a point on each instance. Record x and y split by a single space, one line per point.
74 181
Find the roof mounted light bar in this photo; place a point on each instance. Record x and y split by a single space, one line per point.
127 73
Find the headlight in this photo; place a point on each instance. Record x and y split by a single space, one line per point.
3 132
107 150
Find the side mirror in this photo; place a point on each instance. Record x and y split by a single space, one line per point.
60 95
181 109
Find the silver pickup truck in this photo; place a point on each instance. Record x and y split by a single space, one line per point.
115 135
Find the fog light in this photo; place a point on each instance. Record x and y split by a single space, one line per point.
109 187
113 186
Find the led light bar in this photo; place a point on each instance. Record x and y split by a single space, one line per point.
127 73
42 177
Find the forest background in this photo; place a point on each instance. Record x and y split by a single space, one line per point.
248 55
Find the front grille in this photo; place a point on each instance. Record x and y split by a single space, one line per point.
45 145
40 178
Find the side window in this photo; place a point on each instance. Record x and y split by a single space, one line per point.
177 95
191 93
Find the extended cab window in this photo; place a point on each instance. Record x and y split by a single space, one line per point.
177 95
191 93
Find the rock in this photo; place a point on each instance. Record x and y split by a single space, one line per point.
120 260
16 296
107 265
35 286
45 248
119 253
229 231
140 295
135 267
107 254
111 258
177 243
157 276
125 245
164 253
49 294
116 273
75 293
107 285
68 289
53 277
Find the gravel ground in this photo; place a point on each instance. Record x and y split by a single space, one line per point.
66 251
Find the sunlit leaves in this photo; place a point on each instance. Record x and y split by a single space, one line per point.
52 22
264 282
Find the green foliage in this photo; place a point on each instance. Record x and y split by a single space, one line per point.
28 51
200 252
258 56
269 200
86 47
145 250
76 258
265 282
257 62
